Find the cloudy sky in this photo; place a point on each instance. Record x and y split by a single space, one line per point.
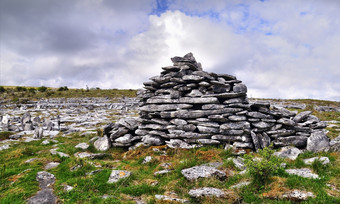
279 49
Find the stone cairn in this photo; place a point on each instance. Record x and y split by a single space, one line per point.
187 107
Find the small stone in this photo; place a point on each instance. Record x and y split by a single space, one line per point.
116 175
102 144
45 179
67 188
241 184
162 172
30 160
147 159
239 163
335 144
323 160
94 172
297 195
51 165
196 172
3 147
82 146
304 172
62 154
170 199
206 191
288 152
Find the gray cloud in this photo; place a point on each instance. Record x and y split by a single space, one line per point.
279 49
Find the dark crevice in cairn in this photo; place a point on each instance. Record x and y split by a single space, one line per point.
187 107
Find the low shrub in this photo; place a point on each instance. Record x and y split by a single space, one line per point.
263 167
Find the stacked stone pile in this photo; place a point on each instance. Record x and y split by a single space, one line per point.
187 106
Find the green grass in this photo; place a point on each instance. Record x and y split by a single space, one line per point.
90 189
24 94
18 182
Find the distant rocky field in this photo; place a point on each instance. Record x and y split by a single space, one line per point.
47 155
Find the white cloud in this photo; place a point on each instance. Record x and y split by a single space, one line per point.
279 49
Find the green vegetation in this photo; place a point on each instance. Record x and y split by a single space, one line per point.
18 182
268 180
63 88
19 94
262 167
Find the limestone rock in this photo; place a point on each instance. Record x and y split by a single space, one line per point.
323 160
51 165
45 195
196 172
206 191
335 144
288 152
3 147
298 196
82 146
116 175
152 140
171 199
162 172
317 142
304 172
301 116
102 144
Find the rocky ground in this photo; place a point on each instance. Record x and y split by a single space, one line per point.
48 155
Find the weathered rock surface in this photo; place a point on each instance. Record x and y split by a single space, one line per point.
298 196
52 165
196 172
335 144
170 199
304 172
288 152
45 195
206 191
317 142
82 146
323 160
116 175
102 144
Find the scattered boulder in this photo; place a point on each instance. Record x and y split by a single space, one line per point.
288 152
3 147
116 175
147 159
38 133
335 144
298 195
51 165
241 184
90 155
161 172
206 191
102 144
67 188
304 172
317 142
82 146
323 160
196 172
171 199
45 195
